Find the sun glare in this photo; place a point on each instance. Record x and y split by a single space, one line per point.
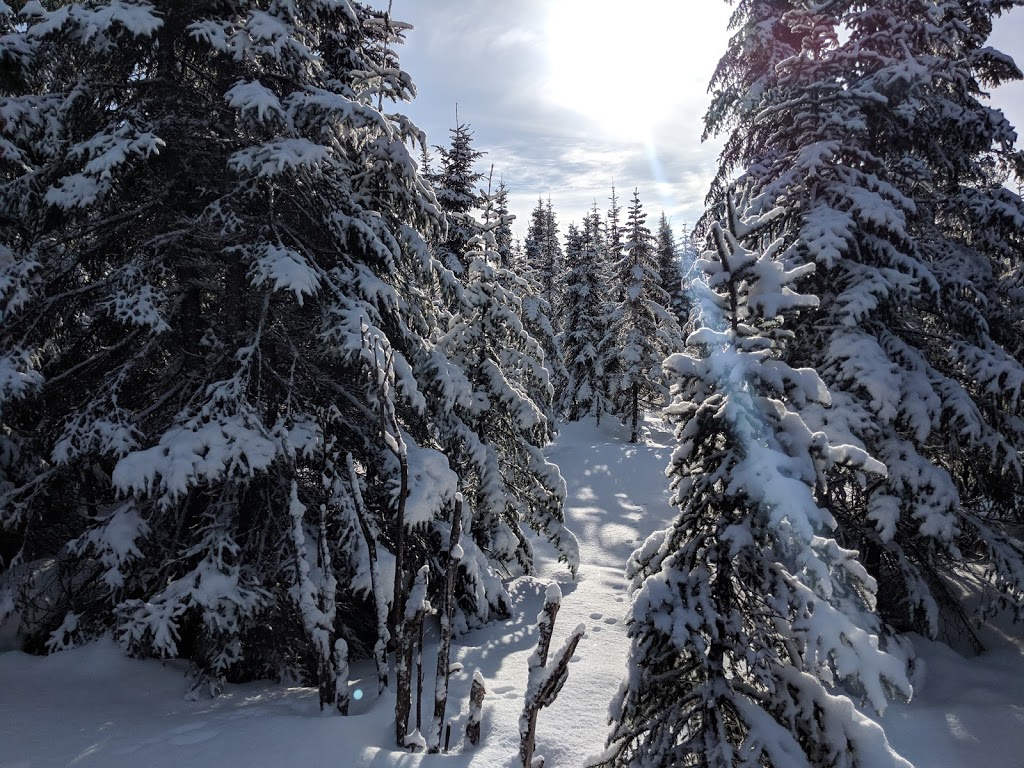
629 67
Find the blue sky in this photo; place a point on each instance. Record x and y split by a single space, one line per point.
569 96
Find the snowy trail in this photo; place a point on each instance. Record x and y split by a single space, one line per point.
93 708
617 497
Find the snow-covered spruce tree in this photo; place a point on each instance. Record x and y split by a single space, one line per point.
495 429
461 199
611 256
456 186
585 322
870 123
670 271
748 617
219 393
576 398
497 393
537 321
503 238
645 332
613 244
537 382
541 272
544 251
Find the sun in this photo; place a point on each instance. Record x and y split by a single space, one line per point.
629 68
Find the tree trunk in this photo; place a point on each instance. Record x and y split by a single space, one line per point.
380 648
528 720
476 705
544 696
635 394
419 674
445 647
403 648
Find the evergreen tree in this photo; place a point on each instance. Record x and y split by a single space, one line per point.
537 320
498 429
220 399
497 335
533 311
551 255
460 201
747 613
503 238
544 251
612 257
533 246
543 256
426 165
644 331
870 123
670 272
613 236
585 322
456 187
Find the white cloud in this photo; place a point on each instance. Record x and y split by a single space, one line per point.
492 59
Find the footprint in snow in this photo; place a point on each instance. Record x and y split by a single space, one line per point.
595 616
610 620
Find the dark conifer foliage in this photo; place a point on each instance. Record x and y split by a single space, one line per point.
645 333
746 611
870 122
503 239
210 281
222 402
541 270
585 322
456 185
670 270
544 251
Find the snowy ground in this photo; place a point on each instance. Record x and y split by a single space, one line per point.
92 707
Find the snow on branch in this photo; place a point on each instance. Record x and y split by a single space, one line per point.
286 269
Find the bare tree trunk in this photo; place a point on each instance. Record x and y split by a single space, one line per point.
419 675
380 648
635 436
403 686
528 720
544 682
476 708
417 608
341 672
445 646
403 648
398 605
315 600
